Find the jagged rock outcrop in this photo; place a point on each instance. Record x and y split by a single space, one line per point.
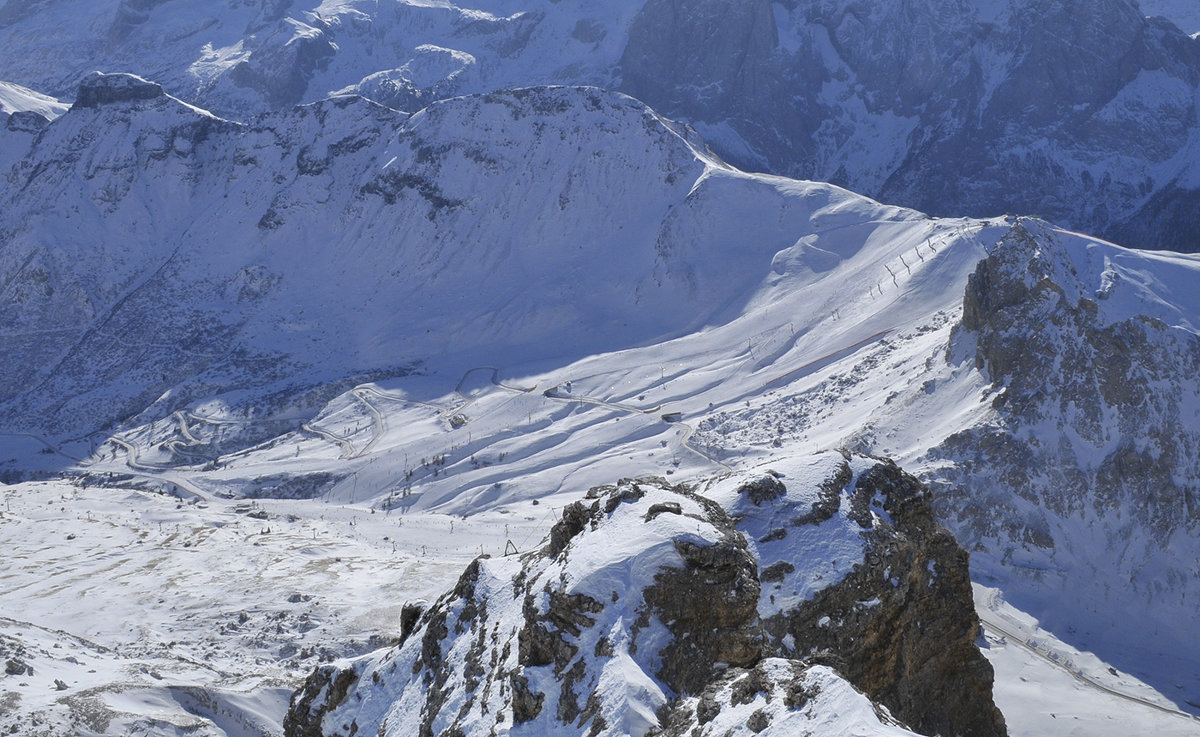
106 89
777 698
1084 475
899 618
26 121
654 609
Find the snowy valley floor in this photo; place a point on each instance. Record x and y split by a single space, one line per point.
163 617
199 612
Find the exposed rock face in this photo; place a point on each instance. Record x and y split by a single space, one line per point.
665 61
324 690
1097 346
288 59
1083 111
26 121
646 612
932 104
106 89
900 622
776 698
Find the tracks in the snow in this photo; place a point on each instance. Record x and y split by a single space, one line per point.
992 622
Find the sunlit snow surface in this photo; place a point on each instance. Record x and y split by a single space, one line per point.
165 570
14 98
158 614
717 323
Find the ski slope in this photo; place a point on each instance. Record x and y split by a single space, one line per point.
393 333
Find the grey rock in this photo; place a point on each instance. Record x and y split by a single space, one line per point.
1115 389
324 690
763 489
26 121
99 89
944 99
513 644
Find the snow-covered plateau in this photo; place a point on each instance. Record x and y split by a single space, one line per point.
271 386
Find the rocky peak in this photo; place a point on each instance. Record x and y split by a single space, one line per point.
1093 355
890 603
652 609
99 89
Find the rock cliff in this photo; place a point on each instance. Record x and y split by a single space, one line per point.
1083 478
658 609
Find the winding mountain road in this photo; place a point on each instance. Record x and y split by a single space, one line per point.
992 622
346 446
135 465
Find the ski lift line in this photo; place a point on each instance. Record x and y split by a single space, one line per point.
550 512
469 400
854 346
50 446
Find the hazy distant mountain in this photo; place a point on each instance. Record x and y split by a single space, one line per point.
1081 112
1182 13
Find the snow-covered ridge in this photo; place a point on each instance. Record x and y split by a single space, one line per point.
948 107
1086 468
15 98
556 222
647 594
508 297
1182 13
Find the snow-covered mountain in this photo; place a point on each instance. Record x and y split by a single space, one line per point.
17 99
487 306
713 604
1081 483
156 252
1083 112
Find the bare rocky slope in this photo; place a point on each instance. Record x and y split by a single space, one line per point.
663 610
